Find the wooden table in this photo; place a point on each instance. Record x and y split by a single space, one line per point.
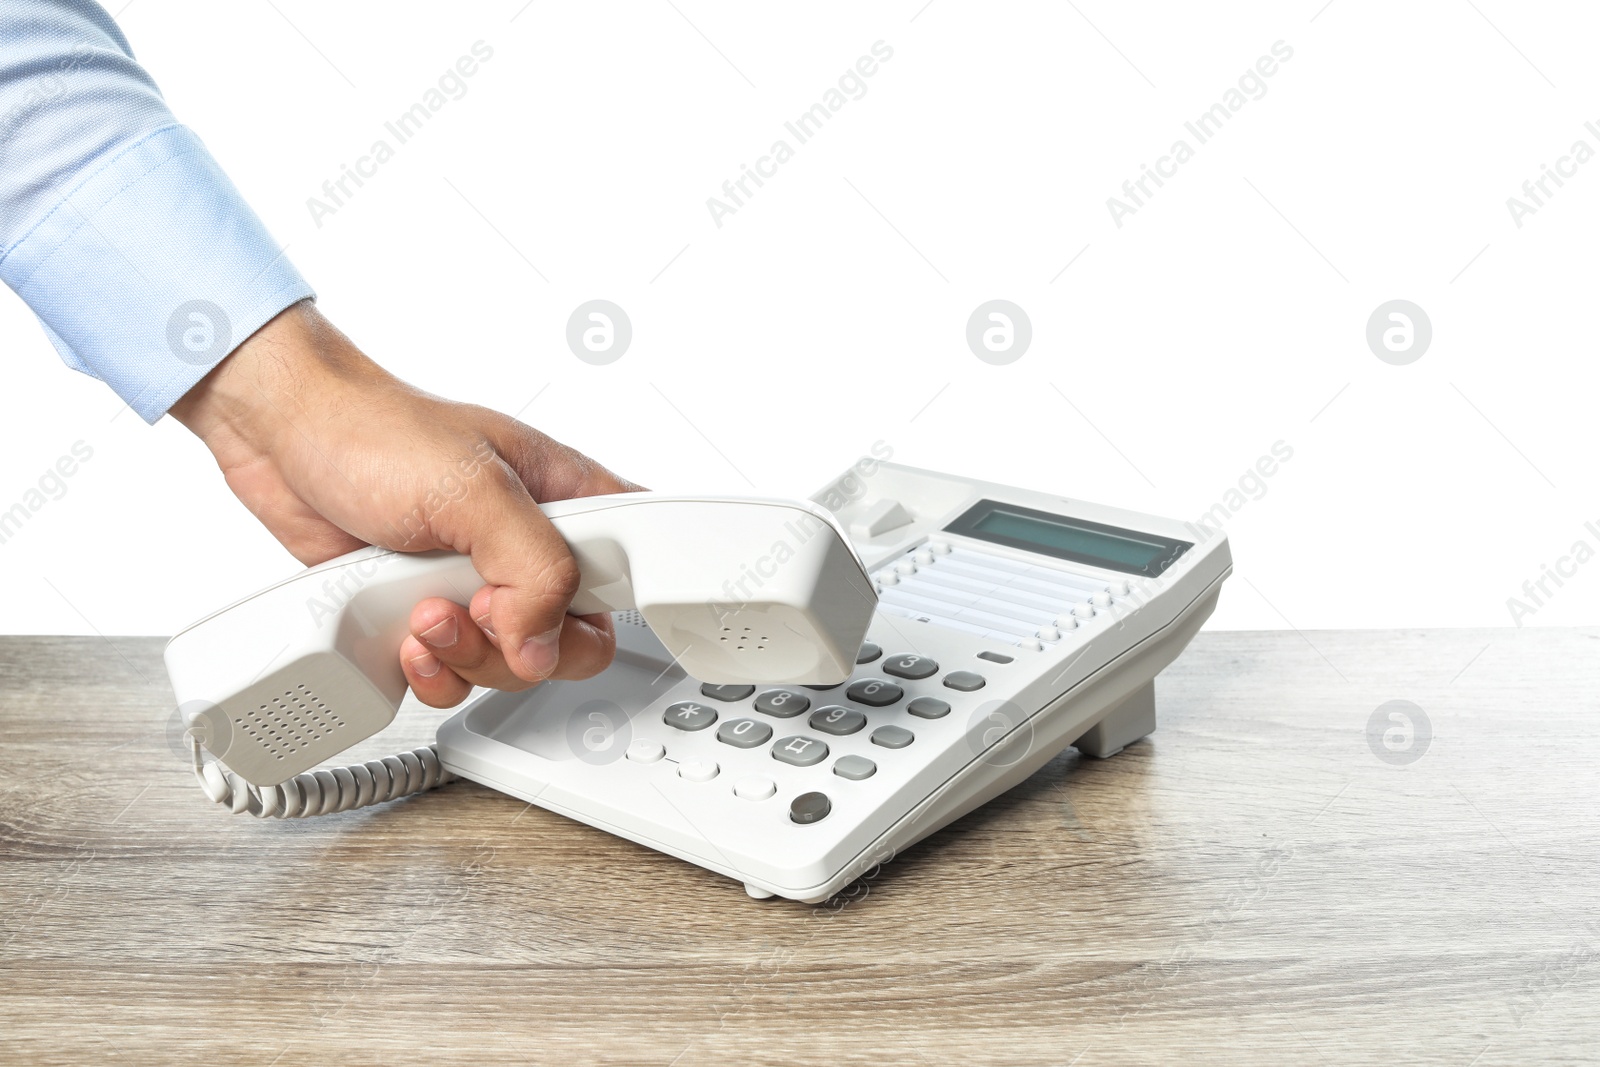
1251 885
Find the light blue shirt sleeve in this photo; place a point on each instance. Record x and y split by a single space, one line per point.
140 258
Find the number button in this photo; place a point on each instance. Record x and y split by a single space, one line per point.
744 733
687 715
800 751
910 666
726 692
836 720
782 703
868 653
874 692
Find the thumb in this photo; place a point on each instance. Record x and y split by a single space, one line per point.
552 470
532 575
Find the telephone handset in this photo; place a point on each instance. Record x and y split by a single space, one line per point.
739 590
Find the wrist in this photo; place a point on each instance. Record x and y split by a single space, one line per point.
266 384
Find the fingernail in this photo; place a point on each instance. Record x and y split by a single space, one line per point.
540 653
483 624
426 665
442 634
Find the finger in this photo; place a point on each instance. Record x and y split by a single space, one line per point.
433 683
518 552
448 631
586 649
588 644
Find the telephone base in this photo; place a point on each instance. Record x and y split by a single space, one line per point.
988 655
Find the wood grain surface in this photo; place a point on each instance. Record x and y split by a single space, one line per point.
1250 885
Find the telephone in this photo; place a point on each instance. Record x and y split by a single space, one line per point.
949 636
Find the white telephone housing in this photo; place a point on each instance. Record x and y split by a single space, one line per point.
1009 625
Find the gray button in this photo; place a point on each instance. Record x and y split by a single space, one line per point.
810 807
783 703
825 688
726 692
994 657
910 666
800 751
893 736
836 720
868 652
874 692
687 715
854 768
965 681
744 733
928 708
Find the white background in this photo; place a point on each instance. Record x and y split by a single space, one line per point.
828 313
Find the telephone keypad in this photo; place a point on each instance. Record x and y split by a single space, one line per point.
832 720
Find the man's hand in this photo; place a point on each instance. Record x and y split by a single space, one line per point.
331 452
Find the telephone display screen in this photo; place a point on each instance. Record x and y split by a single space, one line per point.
1078 540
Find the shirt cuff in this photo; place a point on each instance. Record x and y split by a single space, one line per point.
152 270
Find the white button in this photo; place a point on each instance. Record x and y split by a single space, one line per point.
1101 600
889 578
644 750
878 518
754 787
1030 644
1120 588
1083 611
1066 622
905 566
939 548
1049 633
924 557
698 770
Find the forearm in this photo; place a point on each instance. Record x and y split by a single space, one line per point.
140 258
